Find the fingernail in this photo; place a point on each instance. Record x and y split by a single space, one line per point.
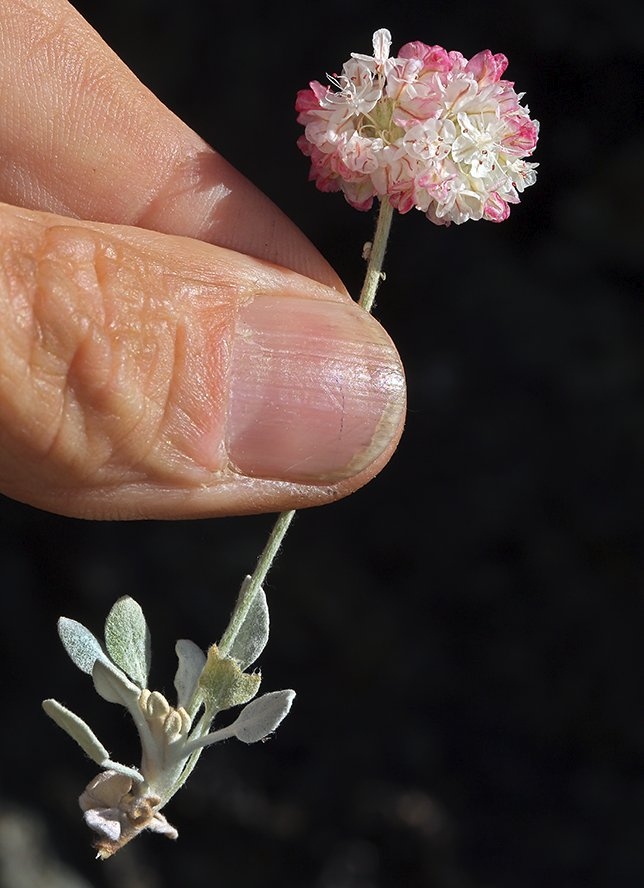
317 390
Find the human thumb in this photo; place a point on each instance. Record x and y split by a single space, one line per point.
144 375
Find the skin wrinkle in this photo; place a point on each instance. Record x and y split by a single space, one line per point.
184 176
32 432
155 417
242 495
68 406
138 385
47 371
169 407
67 66
203 330
137 333
65 333
90 380
86 352
37 57
116 153
17 361
82 136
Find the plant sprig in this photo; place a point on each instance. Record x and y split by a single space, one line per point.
123 800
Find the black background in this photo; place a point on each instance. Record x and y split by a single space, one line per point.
465 634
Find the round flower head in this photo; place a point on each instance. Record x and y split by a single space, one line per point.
428 129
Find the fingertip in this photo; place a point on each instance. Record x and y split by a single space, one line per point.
189 380
316 392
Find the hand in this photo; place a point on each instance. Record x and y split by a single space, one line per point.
183 351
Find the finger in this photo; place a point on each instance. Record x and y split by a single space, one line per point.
146 375
81 136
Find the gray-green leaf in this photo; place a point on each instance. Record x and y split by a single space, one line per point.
127 639
81 732
191 663
262 716
113 685
77 730
252 634
83 647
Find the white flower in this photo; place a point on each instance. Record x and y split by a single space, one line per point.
427 129
477 145
430 139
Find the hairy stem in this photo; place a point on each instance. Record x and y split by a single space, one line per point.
263 566
373 277
377 250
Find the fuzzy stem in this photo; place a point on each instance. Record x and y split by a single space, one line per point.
373 277
264 563
377 250
192 748
190 759
199 743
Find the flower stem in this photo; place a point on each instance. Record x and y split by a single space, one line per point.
264 563
199 730
377 250
373 277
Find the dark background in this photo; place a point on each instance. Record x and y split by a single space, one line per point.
465 634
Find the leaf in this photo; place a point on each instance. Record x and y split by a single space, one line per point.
262 716
252 634
113 685
81 732
127 639
191 663
125 770
83 647
223 684
77 730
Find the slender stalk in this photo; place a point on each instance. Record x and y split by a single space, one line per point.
199 743
264 563
372 280
377 250
202 726
258 576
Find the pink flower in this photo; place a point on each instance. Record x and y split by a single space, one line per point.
429 129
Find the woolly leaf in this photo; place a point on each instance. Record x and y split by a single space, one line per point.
83 648
113 685
252 634
73 725
191 663
262 716
127 639
223 684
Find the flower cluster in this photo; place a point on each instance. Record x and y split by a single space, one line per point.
428 129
